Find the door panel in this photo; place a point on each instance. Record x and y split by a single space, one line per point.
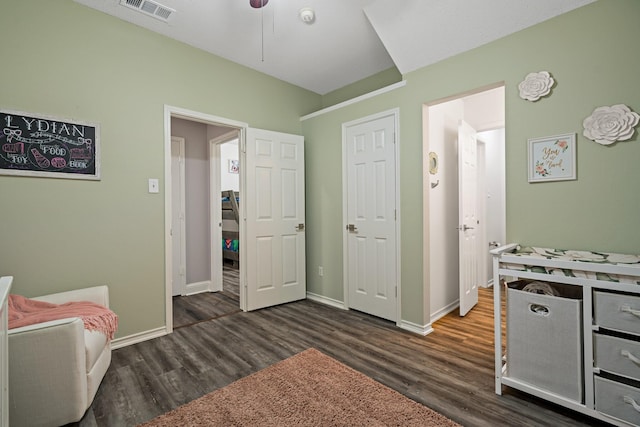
371 241
468 217
275 218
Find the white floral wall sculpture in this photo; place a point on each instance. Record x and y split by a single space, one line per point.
607 125
536 85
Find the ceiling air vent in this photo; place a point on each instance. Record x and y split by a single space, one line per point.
150 8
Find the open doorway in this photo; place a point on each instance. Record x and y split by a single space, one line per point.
484 111
222 294
272 267
196 187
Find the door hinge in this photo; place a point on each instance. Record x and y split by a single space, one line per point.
396 292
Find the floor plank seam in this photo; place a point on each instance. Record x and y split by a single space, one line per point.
207 320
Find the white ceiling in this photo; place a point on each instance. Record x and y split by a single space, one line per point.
349 40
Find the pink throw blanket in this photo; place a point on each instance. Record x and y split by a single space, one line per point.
24 311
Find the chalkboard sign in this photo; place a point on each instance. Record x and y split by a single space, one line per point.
36 145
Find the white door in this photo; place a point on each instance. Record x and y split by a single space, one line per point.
371 227
178 235
467 217
275 218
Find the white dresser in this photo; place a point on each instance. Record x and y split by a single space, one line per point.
607 336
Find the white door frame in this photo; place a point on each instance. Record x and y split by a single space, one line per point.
169 112
395 112
215 188
483 248
182 231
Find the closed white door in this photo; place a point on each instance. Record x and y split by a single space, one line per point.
178 235
467 217
371 211
275 218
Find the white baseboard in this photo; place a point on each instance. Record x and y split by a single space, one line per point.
198 287
326 300
415 328
444 311
403 324
139 337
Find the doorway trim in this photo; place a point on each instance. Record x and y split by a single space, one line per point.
395 112
182 205
169 112
215 188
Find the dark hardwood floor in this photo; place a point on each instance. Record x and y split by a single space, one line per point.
449 370
189 310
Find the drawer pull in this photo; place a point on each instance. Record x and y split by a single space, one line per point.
630 401
628 355
627 309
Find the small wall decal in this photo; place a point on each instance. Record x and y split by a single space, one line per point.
234 166
536 85
607 125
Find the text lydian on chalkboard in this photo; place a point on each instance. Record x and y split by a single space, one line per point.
49 147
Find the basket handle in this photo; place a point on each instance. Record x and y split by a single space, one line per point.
630 401
628 355
627 309
539 309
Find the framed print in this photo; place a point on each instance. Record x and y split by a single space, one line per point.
45 146
234 166
552 158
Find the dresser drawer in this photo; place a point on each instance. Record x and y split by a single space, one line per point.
617 355
618 400
617 311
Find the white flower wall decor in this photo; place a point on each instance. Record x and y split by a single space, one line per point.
607 125
536 85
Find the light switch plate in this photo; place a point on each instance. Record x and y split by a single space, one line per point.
154 187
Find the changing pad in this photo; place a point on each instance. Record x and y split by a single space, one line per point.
579 257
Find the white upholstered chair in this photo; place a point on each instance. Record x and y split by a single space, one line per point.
55 367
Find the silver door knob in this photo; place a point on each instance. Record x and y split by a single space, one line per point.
299 227
352 228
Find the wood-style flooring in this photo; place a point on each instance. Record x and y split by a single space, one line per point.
189 310
449 370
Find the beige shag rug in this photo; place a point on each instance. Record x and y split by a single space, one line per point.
308 389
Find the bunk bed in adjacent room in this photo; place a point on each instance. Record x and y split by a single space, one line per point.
230 227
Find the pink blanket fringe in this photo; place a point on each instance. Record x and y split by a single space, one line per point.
24 311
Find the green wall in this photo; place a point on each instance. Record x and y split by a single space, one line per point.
592 54
69 61
73 62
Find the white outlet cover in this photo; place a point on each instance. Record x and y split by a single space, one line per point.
154 187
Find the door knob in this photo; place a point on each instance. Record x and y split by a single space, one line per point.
299 227
465 227
352 228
